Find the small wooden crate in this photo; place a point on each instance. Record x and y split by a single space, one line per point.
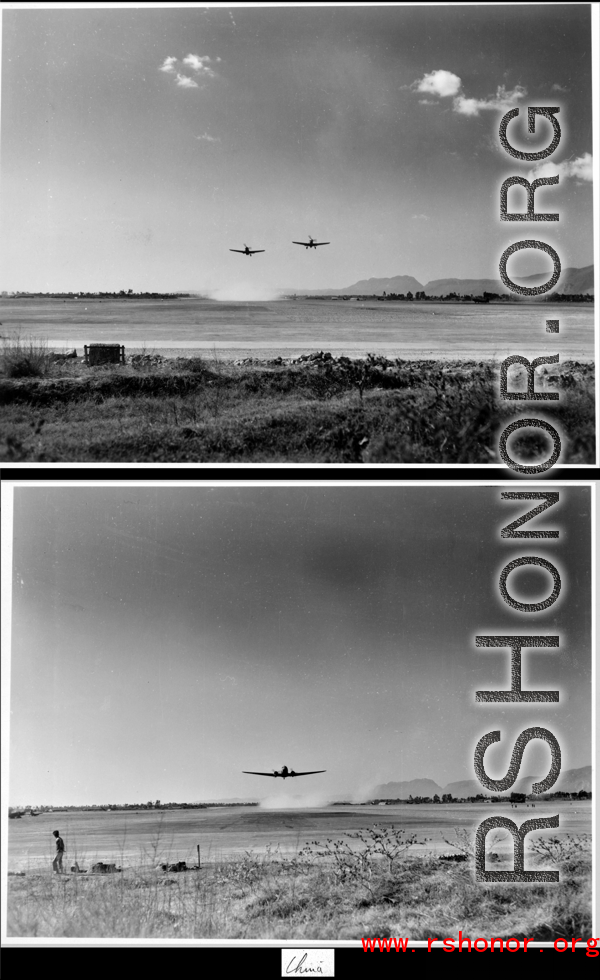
104 354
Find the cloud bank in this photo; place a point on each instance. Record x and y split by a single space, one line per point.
199 64
184 82
168 65
580 169
445 84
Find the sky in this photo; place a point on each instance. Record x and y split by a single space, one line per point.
166 638
140 145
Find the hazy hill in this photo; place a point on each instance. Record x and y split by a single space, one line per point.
574 780
571 281
570 781
397 284
401 791
464 287
367 287
577 280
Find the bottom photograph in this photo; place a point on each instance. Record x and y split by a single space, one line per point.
306 713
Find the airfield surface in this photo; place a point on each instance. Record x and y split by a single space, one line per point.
228 330
151 837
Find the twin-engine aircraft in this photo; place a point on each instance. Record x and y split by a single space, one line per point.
311 243
247 251
285 773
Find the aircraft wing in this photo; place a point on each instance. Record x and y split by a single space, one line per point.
253 251
313 771
250 773
322 243
301 243
240 250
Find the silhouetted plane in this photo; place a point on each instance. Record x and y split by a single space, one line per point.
247 251
311 243
285 773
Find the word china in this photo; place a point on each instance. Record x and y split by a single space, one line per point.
516 644
552 326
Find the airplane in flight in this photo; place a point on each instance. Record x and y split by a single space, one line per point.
311 243
247 251
285 773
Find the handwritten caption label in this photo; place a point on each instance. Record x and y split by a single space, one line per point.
307 963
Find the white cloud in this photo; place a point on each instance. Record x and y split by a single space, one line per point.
440 82
445 84
200 63
559 88
208 138
167 64
502 100
466 107
184 82
195 61
580 168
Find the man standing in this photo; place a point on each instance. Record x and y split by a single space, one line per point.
60 850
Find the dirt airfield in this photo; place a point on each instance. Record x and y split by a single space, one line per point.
149 837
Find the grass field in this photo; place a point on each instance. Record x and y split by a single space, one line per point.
334 410
333 873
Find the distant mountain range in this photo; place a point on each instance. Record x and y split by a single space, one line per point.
569 781
571 281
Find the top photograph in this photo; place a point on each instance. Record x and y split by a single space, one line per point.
333 236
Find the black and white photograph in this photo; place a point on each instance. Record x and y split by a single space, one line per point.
355 714
314 234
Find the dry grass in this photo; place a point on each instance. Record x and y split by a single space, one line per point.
368 885
25 357
205 411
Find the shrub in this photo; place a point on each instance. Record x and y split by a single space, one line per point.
24 359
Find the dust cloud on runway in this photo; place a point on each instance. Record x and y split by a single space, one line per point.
312 799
